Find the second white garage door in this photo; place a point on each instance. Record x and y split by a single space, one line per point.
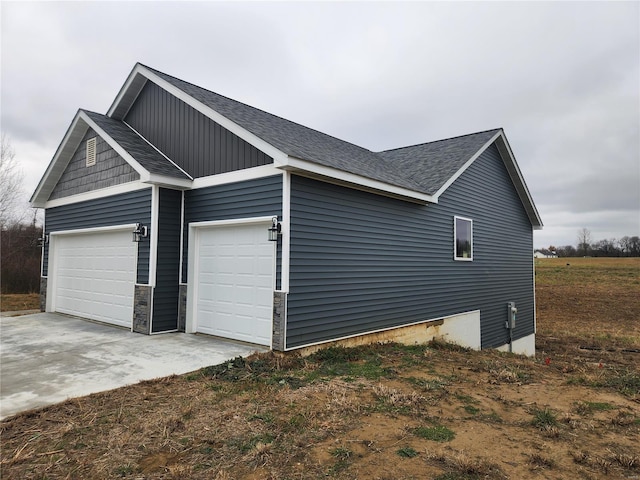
95 276
235 268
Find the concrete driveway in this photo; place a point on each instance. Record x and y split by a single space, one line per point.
46 358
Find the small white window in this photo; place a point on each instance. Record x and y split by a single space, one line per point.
91 152
462 239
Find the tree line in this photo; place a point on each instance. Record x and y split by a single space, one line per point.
20 250
624 247
20 255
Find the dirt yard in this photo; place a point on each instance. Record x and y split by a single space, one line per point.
379 412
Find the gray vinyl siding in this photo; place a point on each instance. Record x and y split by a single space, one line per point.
110 169
125 208
193 141
165 295
362 262
250 198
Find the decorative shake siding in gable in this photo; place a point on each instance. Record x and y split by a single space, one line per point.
196 143
110 169
361 262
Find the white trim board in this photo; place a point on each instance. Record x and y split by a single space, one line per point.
96 194
236 176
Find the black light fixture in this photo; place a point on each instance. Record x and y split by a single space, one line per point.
274 230
139 232
43 240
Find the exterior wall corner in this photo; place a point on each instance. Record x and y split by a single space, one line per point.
279 320
142 302
182 308
43 294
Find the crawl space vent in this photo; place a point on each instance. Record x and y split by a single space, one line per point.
91 152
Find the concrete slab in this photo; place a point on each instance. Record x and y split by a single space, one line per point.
46 358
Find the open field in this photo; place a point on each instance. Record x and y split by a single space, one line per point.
378 412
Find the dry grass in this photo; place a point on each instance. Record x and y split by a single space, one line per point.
17 302
378 412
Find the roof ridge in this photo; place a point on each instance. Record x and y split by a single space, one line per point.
440 140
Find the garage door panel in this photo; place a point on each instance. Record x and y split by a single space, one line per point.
235 281
95 276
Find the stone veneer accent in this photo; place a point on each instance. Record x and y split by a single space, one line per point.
142 301
279 320
43 294
182 308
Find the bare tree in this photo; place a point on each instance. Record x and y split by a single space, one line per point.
10 182
584 240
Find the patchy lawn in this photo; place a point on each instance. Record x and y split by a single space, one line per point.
377 412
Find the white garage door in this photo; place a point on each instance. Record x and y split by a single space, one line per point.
95 276
235 282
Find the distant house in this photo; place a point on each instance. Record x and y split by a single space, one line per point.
544 254
183 210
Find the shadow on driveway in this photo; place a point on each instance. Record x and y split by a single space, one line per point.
46 358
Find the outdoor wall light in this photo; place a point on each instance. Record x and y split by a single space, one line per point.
274 230
43 240
139 232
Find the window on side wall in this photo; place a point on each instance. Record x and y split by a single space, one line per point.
462 239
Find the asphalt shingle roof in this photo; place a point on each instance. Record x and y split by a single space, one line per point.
138 148
432 164
423 168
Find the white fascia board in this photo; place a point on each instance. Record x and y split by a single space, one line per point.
467 164
236 176
277 155
166 181
95 194
130 90
352 180
512 166
60 160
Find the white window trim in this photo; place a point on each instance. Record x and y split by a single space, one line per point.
455 236
91 152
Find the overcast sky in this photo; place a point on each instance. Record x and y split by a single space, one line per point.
562 79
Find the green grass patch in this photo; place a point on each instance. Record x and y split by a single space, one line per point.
470 409
586 408
544 419
407 452
438 433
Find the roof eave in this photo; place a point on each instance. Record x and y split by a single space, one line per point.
518 180
128 93
515 174
69 144
341 177
133 86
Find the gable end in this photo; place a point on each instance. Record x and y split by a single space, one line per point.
193 141
109 169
